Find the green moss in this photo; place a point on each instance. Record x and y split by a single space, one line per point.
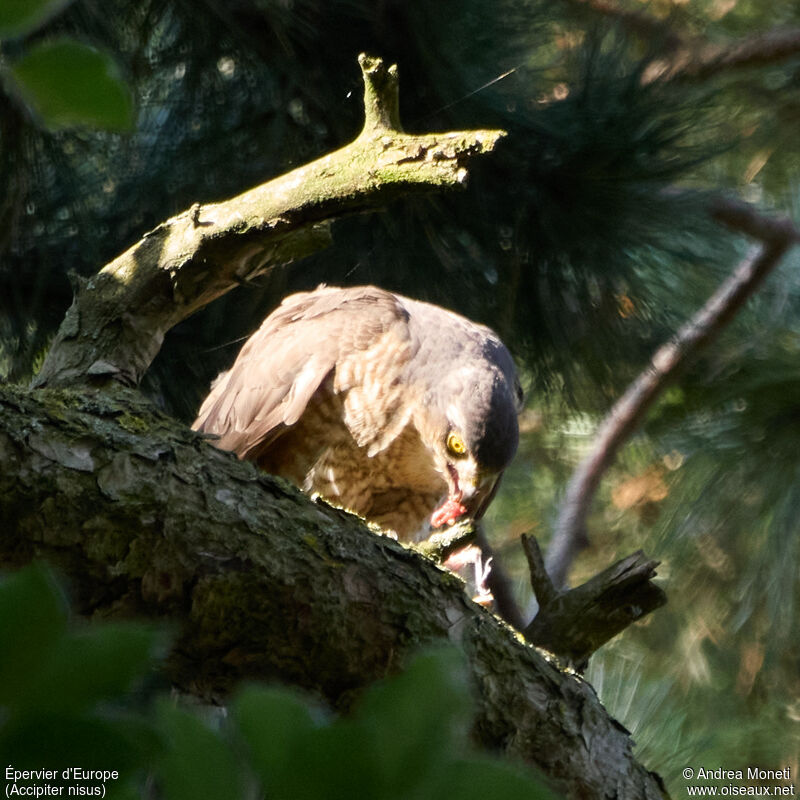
139 558
104 540
134 423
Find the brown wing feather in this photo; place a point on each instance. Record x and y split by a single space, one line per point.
360 336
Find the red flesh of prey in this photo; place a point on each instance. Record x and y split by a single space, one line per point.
448 512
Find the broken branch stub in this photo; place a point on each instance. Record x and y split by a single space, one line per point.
574 624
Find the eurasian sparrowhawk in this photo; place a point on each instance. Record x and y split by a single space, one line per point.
396 409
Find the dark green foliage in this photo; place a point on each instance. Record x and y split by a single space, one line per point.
63 82
406 739
62 702
18 17
28 637
197 762
67 702
69 84
275 761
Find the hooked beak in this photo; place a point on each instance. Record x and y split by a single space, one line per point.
469 496
473 491
476 496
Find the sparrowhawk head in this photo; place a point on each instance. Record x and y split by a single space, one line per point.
472 428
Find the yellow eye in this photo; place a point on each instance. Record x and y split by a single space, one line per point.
455 444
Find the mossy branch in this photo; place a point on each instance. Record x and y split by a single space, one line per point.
118 319
148 519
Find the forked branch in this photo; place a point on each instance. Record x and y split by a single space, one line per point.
575 623
118 319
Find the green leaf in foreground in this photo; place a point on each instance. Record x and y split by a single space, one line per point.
33 619
92 740
18 17
275 723
479 777
407 739
69 84
88 666
197 762
419 719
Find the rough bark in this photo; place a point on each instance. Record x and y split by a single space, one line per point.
148 519
575 623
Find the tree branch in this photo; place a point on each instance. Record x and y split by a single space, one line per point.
574 624
681 56
543 588
777 235
118 319
744 218
442 544
700 61
148 519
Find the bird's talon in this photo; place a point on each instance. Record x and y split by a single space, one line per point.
484 600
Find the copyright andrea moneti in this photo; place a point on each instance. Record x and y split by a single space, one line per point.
747 782
69 782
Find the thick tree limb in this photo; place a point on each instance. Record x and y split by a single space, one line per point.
778 235
119 317
148 519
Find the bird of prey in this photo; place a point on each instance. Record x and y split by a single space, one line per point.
398 410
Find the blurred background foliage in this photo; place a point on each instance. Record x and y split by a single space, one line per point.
584 241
